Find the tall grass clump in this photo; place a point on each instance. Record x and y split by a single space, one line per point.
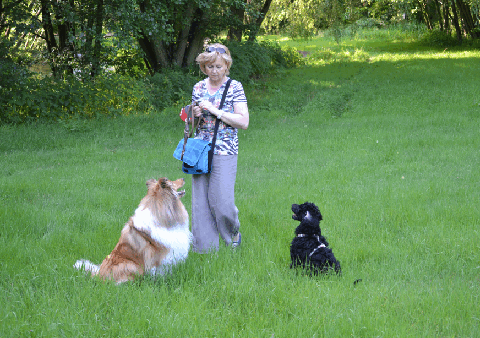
437 38
371 29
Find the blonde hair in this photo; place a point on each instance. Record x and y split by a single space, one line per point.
210 57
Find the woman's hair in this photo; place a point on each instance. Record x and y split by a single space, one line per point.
210 57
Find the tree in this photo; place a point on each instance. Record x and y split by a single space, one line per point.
171 33
71 31
247 18
295 18
441 15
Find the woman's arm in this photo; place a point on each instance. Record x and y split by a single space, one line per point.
238 119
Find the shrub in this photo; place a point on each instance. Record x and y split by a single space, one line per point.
50 99
170 87
253 60
436 38
25 98
12 78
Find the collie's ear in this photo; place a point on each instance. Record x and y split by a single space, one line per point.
151 182
164 182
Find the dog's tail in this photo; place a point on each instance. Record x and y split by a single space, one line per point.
87 266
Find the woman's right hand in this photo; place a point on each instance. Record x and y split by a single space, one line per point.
197 111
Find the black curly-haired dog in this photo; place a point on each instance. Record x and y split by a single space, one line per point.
309 249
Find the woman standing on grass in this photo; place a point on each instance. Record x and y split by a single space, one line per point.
214 213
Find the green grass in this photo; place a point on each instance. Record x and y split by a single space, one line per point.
387 146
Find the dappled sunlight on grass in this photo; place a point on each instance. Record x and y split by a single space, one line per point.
370 46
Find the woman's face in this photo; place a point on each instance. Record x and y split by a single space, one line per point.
216 70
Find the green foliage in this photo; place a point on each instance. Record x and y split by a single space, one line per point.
304 19
51 99
12 77
254 60
129 62
385 9
289 57
30 99
297 19
170 87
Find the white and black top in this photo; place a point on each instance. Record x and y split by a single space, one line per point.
227 136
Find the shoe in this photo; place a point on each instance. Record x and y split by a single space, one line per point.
236 244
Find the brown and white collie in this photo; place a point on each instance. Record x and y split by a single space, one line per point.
154 239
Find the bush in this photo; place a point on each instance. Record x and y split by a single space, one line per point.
25 98
253 60
50 99
170 87
12 78
436 38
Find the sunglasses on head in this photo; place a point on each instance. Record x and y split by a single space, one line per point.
215 49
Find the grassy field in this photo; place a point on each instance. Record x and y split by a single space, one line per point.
382 135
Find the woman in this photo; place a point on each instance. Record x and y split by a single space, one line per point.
214 213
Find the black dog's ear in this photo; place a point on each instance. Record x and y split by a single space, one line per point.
314 210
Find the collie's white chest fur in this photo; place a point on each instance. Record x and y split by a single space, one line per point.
177 238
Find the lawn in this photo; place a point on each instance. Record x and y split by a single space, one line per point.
386 144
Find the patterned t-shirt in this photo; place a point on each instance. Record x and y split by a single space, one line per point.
227 136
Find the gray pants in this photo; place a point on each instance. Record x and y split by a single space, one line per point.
214 213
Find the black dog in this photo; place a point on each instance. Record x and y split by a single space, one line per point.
309 249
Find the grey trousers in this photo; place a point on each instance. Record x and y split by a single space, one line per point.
214 213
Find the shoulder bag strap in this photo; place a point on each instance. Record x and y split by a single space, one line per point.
217 123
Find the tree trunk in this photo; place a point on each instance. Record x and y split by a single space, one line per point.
446 17
65 47
455 21
49 34
439 13
426 15
184 48
196 38
155 55
86 57
259 21
467 19
98 39
235 31
183 36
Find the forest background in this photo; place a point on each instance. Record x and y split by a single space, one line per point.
85 58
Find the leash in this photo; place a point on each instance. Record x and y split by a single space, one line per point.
318 247
187 133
